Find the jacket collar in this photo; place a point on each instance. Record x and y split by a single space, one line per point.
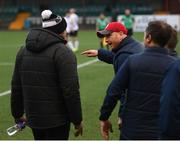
156 49
123 43
54 34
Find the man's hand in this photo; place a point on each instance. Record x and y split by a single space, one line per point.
78 130
21 119
90 53
119 123
106 126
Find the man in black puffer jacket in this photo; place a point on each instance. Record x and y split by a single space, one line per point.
141 75
45 82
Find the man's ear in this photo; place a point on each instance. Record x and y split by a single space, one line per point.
148 38
121 33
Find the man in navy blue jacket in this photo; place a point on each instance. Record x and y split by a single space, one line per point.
122 46
141 75
170 104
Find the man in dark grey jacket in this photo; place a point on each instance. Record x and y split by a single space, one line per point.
45 84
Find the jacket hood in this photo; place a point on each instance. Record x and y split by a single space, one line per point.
40 39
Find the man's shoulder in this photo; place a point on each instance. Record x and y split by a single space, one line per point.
132 16
98 20
21 50
136 45
74 16
176 64
123 16
63 50
133 47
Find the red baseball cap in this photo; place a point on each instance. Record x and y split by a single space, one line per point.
110 28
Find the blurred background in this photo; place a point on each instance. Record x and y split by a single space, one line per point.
24 14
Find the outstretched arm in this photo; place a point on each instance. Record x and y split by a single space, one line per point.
102 54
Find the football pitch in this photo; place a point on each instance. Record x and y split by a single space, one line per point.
94 80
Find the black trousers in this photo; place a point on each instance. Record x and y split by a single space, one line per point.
56 133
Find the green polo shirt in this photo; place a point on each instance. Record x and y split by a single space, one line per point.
101 24
128 21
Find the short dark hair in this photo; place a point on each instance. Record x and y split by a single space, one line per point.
160 32
173 40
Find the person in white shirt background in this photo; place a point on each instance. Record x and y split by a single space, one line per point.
73 41
67 18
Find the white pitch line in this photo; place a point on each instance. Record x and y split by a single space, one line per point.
6 64
5 93
79 66
87 63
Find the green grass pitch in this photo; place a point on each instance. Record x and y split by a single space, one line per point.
94 80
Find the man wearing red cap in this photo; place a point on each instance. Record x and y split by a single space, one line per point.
122 47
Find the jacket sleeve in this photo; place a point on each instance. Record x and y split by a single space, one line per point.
115 89
170 105
66 65
105 56
17 108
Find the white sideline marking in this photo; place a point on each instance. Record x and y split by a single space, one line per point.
79 66
6 64
5 93
87 63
